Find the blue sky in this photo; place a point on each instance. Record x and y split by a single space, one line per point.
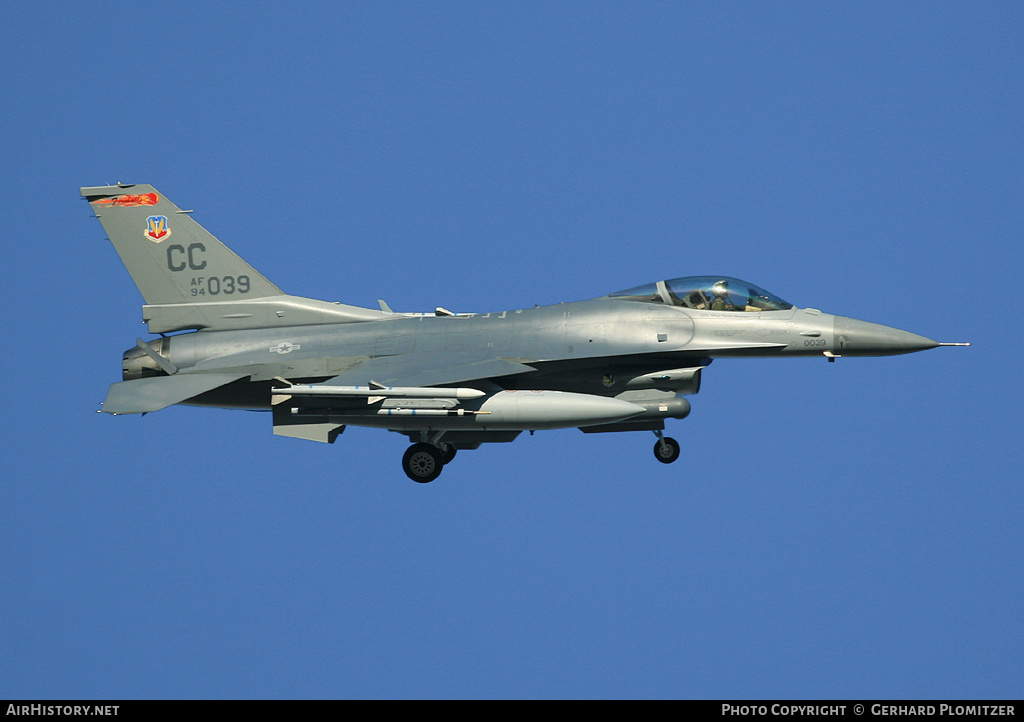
847 530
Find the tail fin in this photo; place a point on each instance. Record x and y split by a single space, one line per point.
171 258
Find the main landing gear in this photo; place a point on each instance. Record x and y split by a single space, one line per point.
666 449
423 462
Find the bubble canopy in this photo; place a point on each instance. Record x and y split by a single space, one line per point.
706 293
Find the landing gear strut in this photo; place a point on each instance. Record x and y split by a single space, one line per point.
666 449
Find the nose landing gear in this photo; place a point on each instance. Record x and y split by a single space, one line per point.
666 449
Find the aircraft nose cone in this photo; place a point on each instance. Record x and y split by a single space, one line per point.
860 338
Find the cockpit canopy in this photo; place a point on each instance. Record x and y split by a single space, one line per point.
706 293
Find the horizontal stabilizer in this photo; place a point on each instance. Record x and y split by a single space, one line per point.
140 396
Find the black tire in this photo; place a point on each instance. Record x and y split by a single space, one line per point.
448 454
422 463
666 450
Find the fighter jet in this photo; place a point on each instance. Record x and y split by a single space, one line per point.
230 338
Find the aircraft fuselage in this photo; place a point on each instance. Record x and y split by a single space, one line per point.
594 346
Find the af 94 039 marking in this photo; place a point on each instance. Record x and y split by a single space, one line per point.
217 285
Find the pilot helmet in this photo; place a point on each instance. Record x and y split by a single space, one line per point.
720 288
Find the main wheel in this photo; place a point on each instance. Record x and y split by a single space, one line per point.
448 454
666 450
422 463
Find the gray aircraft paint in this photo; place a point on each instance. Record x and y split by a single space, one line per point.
616 363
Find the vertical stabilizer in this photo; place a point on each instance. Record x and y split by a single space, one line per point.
171 258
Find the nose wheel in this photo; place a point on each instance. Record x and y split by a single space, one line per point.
666 449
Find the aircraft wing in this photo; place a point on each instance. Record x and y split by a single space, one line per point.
140 396
427 370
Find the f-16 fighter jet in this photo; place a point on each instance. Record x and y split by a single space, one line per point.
228 337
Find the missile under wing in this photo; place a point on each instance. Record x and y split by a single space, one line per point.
627 361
